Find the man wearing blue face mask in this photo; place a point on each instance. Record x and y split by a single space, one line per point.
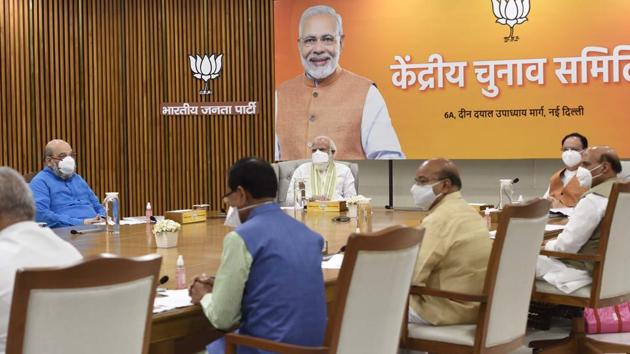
324 179
62 197
270 278
597 173
455 248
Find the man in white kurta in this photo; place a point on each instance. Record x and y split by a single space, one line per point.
324 179
581 234
23 243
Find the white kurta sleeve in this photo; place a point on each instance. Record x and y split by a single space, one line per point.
378 137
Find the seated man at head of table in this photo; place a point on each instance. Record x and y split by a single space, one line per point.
324 179
564 190
62 197
270 277
455 248
581 234
23 243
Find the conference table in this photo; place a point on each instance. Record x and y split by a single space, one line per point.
186 330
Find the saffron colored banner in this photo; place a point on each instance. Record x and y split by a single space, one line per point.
465 79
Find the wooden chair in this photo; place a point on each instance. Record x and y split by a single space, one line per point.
611 280
506 295
370 297
101 305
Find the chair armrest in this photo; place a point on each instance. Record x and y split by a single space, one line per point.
421 290
233 339
572 256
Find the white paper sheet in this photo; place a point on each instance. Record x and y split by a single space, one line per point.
334 262
170 299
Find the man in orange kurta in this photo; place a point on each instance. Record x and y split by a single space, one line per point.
564 189
331 101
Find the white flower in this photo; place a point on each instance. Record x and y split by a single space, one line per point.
166 226
356 199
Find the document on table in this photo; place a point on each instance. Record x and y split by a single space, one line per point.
133 220
334 262
170 299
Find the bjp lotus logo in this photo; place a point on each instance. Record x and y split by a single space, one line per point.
511 13
206 68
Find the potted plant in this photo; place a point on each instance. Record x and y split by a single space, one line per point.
165 232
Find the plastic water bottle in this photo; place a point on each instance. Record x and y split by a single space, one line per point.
180 273
112 213
149 212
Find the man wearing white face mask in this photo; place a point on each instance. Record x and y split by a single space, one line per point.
564 190
62 197
329 100
270 278
324 178
455 248
597 173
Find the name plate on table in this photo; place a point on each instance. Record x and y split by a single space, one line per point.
186 216
328 205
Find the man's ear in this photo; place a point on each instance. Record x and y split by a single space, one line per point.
341 40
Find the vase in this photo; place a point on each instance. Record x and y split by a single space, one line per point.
166 239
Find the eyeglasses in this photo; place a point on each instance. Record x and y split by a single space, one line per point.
326 40
320 149
64 155
424 182
571 149
228 194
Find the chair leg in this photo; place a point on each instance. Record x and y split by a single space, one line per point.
573 344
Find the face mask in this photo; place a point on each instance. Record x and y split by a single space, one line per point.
571 158
67 166
585 177
233 218
423 196
320 160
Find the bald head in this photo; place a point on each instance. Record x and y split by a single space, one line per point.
440 169
603 162
56 147
16 201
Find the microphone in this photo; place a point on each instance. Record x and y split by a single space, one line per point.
163 279
153 219
515 180
85 231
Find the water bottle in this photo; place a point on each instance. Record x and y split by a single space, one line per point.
506 192
180 273
112 213
299 194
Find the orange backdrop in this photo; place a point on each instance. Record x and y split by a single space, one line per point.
466 30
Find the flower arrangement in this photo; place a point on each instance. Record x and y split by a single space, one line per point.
357 199
166 226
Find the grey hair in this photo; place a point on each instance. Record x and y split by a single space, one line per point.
16 199
331 143
321 9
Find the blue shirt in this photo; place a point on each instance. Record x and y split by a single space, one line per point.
63 202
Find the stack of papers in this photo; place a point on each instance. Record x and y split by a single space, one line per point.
334 262
170 299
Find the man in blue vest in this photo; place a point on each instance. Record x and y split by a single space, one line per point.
270 278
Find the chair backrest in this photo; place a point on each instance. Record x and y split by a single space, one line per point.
510 274
372 290
614 246
625 171
101 305
284 171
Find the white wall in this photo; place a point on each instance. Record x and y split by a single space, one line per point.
480 179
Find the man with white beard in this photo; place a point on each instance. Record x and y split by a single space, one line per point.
324 179
331 101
